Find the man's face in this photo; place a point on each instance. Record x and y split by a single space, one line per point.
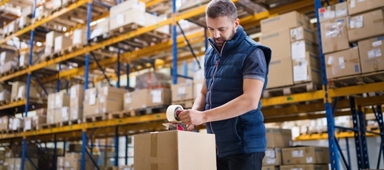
222 29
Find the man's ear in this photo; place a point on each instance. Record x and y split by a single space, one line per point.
237 23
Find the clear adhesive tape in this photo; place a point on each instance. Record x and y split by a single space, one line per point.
171 113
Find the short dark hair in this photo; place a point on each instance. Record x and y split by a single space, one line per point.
220 8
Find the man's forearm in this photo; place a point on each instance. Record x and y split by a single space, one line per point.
199 103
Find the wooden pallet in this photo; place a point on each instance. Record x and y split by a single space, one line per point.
151 110
5 102
49 126
22 67
186 104
75 48
294 89
121 114
372 128
356 79
18 130
99 38
70 122
8 72
95 118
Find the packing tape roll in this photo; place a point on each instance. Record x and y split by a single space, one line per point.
171 113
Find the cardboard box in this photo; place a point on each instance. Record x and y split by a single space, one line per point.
334 35
91 109
90 96
300 48
278 138
305 155
62 42
41 112
51 100
127 5
24 21
126 18
371 54
140 97
13 27
108 104
359 6
111 91
27 123
302 33
182 91
62 114
73 161
287 20
76 113
171 150
79 36
270 167
307 69
281 49
334 11
51 116
50 38
343 63
60 161
16 123
5 96
77 95
24 59
6 56
5 87
8 66
198 76
365 25
4 120
101 28
38 120
62 99
19 90
159 97
272 157
305 167
278 66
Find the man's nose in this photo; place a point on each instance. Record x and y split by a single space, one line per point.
216 34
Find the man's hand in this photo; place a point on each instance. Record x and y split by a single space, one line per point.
192 117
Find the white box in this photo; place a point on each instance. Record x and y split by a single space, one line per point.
126 18
101 28
13 27
127 5
61 43
8 66
27 11
79 36
6 56
50 38
24 21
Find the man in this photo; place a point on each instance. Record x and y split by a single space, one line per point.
236 70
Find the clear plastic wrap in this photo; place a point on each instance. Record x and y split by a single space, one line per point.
153 79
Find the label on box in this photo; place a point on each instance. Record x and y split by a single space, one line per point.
28 124
74 114
105 90
92 99
341 12
352 23
374 53
376 43
296 169
296 34
20 92
181 90
297 153
21 60
102 99
66 164
298 50
270 160
270 153
300 73
309 159
359 21
156 96
353 4
330 60
341 62
120 19
128 99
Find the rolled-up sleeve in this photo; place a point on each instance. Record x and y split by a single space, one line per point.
255 66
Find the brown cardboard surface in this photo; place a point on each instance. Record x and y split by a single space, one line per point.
171 150
343 63
76 112
15 88
280 49
90 96
38 120
127 101
276 68
358 6
272 157
371 54
334 35
91 109
139 98
365 25
111 91
41 112
305 167
159 97
108 104
278 138
62 100
27 164
307 69
62 114
299 49
334 11
51 116
182 91
287 20
302 33
305 155
270 167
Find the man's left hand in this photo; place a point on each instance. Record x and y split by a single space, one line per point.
192 117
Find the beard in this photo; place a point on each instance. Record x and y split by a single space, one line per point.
220 41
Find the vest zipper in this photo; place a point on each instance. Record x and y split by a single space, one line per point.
213 80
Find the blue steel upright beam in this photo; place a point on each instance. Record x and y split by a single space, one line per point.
358 140
118 68
333 151
116 146
363 137
24 142
127 71
126 149
58 81
84 131
55 151
174 43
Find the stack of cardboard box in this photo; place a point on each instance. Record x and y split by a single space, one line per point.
182 92
294 50
103 100
309 158
276 140
76 102
5 93
35 121
8 61
72 160
19 91
348 23
58 107
50 43
4 123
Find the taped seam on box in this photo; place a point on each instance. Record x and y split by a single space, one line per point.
153 146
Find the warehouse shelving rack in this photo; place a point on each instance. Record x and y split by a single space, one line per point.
125 126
